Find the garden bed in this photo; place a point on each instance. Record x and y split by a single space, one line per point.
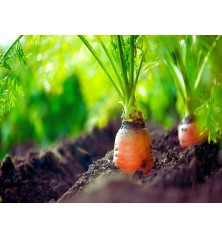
82 170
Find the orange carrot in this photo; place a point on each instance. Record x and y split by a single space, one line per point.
132 149
188 132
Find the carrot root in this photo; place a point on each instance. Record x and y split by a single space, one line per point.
132 150
189 134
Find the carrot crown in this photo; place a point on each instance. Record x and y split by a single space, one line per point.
125 55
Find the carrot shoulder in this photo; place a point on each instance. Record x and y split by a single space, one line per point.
132 150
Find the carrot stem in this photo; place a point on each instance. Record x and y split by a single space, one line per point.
131 60
112 63
123 66
204 62
102 65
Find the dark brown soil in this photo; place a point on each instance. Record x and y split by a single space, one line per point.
33 176
77 171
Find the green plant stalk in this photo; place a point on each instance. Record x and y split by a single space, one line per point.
181 89
182 82
205 62
123 68
188 92
131 104
126 87
112 63
176 76
190 101
102 65
130 107
131 60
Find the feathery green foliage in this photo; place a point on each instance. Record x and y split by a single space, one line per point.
10 87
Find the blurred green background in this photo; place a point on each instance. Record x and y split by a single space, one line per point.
66 93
